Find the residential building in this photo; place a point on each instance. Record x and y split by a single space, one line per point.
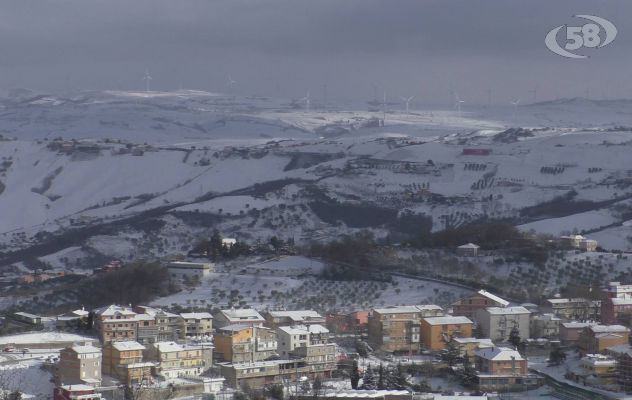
468 346
124 361
467 306
196 324
623 355
571 331
502 369
545 326
115 323
244 343
579 242
76 392
436 332
497 323
597 338
598 369
292 337
262 373
79 364
275 319
397 329
175 360
616 308
574 309
168 325
146 328
356 321
616 289
359 394
243 316
190 271
468 250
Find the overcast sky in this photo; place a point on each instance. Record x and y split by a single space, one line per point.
287 47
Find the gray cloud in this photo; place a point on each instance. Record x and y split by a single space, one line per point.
286 47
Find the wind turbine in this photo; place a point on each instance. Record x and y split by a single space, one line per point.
534 92
307 101
515 104
147 78
230 82
458 103
384 108
407 100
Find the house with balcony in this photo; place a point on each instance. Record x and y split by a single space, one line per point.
497 323
79 364
244 343
397 329
238 316
196 324
437 332
482 299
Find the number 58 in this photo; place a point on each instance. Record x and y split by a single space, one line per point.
587 36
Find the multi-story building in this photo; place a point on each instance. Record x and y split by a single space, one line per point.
497 323
275 319
196 324
146 328
124 361
262 373
244 343
545 326
599 369
616 307
623 355
168 325
436 332
571 331
356 321
115 323
397 329
292 337
482 299
175 360
243 316
502 369
76 392
597 338
79 364
574 309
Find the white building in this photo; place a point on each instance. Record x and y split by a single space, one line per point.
189 270
289 338
468 250
545 326
497 322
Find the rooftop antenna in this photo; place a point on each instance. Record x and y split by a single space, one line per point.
384 108
230 82
515 111
147 78
407 100
458 103
374 92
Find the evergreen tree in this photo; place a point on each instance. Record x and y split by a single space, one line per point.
397 380
478 332
355 375
368 380
215 245
380 379
468 373
451 355
557 356
514 337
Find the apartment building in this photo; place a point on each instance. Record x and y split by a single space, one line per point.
574 309
243 316
196 324
468 346
597 338
175 360
183 270
124 361
79 364
115 323
545 326
436 332
571 331
168 325
397 329
467 306
616 308
275 319
259 374
291 338
502 369
244 344
497 323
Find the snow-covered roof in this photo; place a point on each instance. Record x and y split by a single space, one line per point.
481 342
499 354
566 300
547 317
407 309
609 329
168 347
622 301
196 315
139 365
447 320
85 349
234 327
507 310
493 297
577 325
298 316
303 329
242 314
128 345
114 309
77 387
189 265
363 394
621 349
469 246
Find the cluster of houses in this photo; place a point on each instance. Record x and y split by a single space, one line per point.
484 328
144 346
